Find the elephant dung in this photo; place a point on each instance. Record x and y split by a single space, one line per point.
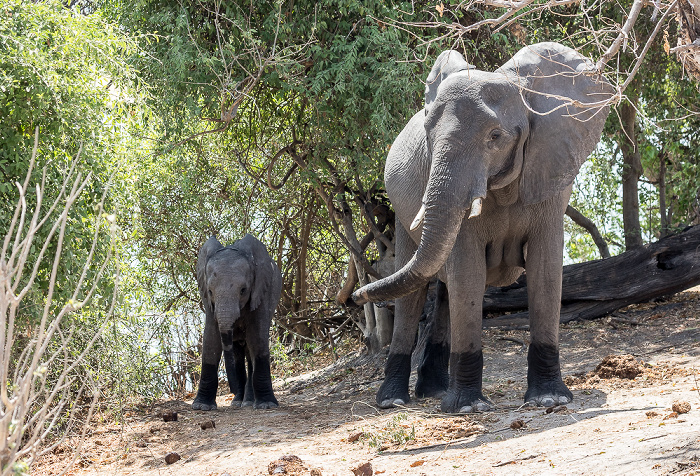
170 458
680 407
205 425
169 416
363 470
517 425
292 465
620 366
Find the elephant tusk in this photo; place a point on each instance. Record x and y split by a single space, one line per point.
476 208
419 218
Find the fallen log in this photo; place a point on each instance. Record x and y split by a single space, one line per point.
595 288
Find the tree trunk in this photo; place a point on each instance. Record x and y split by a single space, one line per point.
596 288
662 194
631 171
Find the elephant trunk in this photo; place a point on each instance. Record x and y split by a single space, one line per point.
226 321
440 230
445 205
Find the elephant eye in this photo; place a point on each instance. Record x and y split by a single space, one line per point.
243 290
495 134
211 293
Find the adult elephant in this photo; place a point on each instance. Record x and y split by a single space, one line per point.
240 287
502 149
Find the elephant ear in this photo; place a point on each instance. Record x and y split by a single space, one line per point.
567 104
209 247
449 62
267 275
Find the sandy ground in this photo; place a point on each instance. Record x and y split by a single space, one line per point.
328 418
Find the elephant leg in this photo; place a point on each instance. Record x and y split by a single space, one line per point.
407 312
544 264
466 273
433 377
211 355
235 370
259 356
248 395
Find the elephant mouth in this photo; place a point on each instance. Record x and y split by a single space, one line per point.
227 340
474 211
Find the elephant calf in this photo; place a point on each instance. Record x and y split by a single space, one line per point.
240 287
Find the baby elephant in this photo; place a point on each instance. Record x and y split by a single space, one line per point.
240 286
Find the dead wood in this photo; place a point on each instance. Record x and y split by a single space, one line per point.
593 289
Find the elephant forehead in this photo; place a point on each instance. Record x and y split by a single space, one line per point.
228 262
476 85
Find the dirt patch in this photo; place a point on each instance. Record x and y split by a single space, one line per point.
618 422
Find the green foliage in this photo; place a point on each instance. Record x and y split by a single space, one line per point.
70 76
60 72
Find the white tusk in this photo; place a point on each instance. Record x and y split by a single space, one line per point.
419 218
476 208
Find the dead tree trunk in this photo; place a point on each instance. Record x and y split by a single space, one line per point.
596 288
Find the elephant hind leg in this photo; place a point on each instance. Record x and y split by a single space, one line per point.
239 373
248 395
433 376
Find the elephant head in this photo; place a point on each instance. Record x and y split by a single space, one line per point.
530 124
233 279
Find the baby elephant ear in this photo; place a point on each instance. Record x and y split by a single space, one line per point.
264 269
449 62
567 102
209 247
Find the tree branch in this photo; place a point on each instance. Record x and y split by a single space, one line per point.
581 220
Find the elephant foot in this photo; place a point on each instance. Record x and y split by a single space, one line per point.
201 404
464 394
467 400
240 403
549 394
265 405
243 399
433 377
394 389
545 386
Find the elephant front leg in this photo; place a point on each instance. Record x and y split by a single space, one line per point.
544 265
211 355
466 271
259 375
407 312
433 377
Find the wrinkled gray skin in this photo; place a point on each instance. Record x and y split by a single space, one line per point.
240 287
480 136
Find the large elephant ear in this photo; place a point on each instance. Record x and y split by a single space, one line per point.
568 105
267 279
449 62
209 247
